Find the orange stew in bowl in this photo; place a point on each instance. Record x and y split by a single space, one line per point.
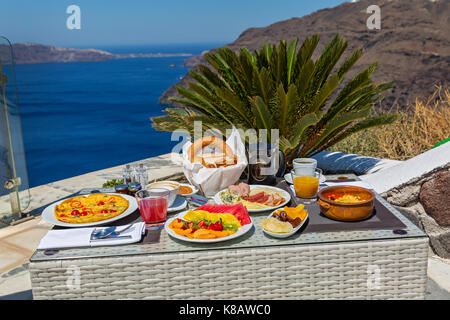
345 198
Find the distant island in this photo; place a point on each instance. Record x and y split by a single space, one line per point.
26 53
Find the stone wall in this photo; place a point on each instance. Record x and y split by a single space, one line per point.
419 187
430 191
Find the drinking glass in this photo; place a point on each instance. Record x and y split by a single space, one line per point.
153 204
306 185
304 165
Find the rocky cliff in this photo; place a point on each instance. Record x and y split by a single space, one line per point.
412 46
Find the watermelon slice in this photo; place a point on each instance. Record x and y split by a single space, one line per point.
238 210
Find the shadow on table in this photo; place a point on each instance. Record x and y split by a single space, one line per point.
22 295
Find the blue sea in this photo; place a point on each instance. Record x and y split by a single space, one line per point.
86 116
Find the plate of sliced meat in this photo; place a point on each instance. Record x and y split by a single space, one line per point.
256 198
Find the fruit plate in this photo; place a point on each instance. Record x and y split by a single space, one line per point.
49 213
285 194
284 235
243 230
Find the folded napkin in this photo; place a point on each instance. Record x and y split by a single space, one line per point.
81 237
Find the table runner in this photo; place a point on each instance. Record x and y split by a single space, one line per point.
382 218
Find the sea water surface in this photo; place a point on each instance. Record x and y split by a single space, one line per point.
86 116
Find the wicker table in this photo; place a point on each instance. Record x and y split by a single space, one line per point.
359 264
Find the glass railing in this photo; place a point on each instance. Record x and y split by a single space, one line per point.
14 192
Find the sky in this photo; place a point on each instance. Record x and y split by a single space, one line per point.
141 22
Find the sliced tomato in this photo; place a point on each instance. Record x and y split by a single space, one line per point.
201 224
334 196
75 212
101 203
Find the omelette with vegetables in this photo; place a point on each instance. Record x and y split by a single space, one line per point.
93 208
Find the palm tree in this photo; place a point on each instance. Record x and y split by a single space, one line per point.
280 87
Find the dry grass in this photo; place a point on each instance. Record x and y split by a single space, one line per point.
419 127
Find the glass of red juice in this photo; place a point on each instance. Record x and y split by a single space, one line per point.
153 204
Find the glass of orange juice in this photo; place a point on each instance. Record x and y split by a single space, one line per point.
306 185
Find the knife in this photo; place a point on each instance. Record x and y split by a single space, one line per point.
112 238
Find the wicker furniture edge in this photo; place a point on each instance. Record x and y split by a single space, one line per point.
377 269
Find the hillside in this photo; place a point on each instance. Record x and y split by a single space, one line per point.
412 47
25 53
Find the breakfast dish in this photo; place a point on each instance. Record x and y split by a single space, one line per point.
344 198
89 210
224 158
283 223
95 207
346 202
171 186
255 198
187 190
210 223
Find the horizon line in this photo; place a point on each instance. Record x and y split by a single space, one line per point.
87 46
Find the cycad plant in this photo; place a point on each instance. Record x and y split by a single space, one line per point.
280 87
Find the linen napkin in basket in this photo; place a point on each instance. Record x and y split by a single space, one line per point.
212 180
81 237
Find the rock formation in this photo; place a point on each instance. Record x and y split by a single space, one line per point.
412 46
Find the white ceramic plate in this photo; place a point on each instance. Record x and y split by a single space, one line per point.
240 232
286 196
179 204
284 235
194 188
288 178
49 213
